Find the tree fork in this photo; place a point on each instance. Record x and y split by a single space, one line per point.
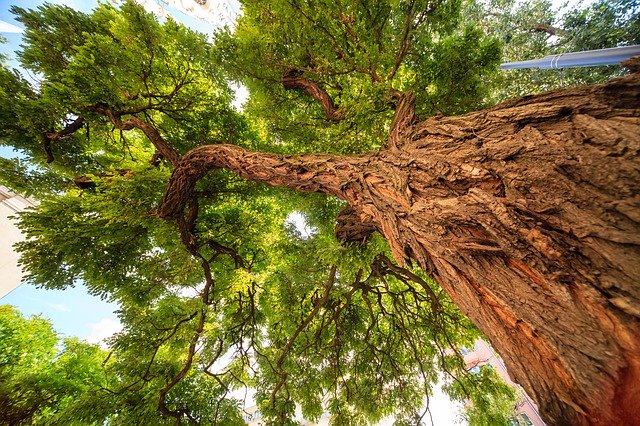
163 148
525 213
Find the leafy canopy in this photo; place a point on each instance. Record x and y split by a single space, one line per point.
44 379
234 296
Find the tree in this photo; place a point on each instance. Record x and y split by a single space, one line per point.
39 380
523 213
535 29
494 406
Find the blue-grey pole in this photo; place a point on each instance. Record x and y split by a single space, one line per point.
588 58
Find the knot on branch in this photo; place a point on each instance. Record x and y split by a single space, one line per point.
351 229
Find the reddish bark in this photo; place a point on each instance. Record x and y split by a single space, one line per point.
527 214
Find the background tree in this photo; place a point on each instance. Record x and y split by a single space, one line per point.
131 115
495 406
237 297
534 29
44 378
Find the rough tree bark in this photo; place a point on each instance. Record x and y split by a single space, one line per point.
527 214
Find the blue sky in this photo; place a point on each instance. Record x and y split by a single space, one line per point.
72 311
7 17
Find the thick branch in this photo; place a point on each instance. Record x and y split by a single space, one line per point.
293 80
134 122
549 29
69 129
404 117
310 173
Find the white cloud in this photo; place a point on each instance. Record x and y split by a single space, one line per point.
103 329
60 307
6 27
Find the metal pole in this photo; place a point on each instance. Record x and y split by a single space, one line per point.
588 58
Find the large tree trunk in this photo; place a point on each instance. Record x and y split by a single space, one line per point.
527 214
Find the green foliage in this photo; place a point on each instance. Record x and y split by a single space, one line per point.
494 406
42 378
360 53
603 24
534 29
232 295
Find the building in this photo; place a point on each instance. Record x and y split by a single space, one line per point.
217 12
483 354
10 272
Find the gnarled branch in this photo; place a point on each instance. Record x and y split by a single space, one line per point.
293 80
52 136
150 132
309 173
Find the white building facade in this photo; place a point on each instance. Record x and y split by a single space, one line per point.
10 272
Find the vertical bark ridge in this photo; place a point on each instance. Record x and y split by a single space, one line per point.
404 117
